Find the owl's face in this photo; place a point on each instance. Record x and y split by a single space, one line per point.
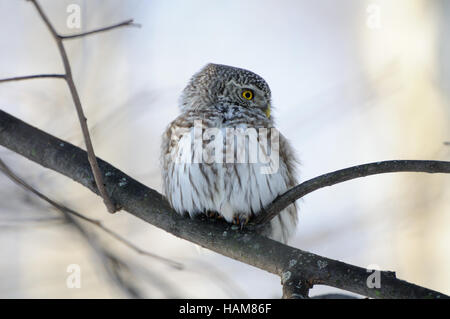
226 85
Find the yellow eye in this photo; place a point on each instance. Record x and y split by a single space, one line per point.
247 94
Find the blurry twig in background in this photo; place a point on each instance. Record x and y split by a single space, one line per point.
121 270
245 246
65 210
220 278
112 208
114 265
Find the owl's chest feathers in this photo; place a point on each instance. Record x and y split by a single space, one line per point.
231 188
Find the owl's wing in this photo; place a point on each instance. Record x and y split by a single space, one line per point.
283 226
289 157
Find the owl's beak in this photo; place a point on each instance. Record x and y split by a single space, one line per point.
267 111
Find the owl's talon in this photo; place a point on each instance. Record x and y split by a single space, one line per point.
245 222
211 214
241 221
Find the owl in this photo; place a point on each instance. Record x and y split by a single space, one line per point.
222 156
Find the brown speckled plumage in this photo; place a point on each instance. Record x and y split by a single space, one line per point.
230 189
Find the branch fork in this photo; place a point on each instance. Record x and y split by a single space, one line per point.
67 76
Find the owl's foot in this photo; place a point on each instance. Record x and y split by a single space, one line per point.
242 221
213 215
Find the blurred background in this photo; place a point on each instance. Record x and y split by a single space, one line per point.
354 82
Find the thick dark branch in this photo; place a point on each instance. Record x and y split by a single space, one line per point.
245 246
128 23
36 76
347 174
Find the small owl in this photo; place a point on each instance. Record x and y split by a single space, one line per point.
222 156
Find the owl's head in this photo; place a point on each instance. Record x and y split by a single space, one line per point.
216 83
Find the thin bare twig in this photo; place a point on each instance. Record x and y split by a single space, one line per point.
36 76
346 174
98 177
19 181
127 23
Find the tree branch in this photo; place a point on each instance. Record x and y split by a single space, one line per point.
128 23
346 174
243 245
112 208
294 287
